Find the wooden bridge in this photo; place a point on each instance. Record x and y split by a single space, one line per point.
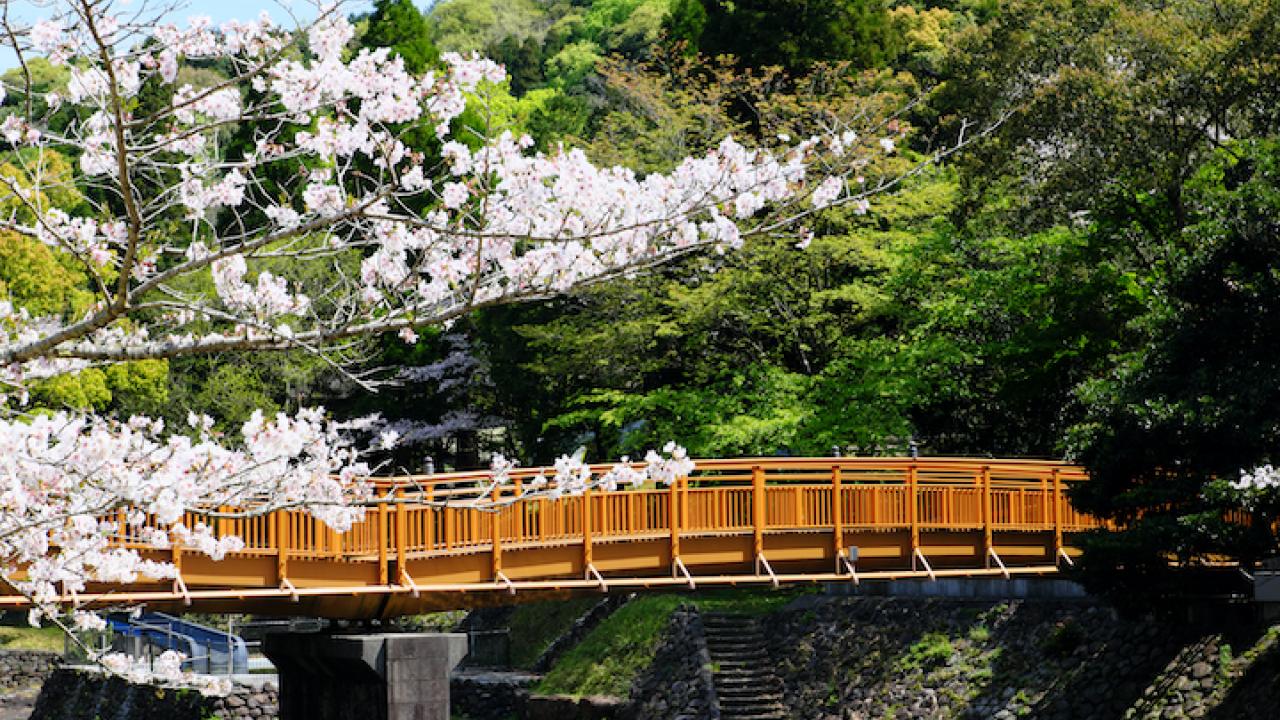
732 522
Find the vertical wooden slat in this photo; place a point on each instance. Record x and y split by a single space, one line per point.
986 516
281 522
495 527
384 573
758 502
673 520
1057 516
402 530
587 556
913 513
837 517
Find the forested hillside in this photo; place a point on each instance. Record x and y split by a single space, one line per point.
1096 279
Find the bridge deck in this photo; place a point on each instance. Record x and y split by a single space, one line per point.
767 520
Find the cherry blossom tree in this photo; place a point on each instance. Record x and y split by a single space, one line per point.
185 236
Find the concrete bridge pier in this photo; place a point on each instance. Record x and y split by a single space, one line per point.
384 676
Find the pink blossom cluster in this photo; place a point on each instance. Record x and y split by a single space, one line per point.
268 299
165 670
573 476
70 483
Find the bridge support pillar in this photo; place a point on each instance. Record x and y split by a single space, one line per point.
372 677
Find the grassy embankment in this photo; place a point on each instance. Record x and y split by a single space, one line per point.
609 658
29 638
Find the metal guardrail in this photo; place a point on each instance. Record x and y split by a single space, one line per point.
208 650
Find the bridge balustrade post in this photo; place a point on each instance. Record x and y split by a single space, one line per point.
837 515
986 516
384 539
518 516
430 520
673 520
280 519
495 526
684 501
175 556
1044 501
587 558
758 509
913 512
402 516
1057 517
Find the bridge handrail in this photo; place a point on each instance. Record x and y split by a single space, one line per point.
433 514
1008 513
932 470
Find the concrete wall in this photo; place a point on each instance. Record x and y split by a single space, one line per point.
966 589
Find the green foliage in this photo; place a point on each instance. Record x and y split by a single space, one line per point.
549 115
574 61
1196 400
399 25
686 22
467 25
45 77
85 390
49 639
523 61
40 279
931 650
1118 95
626 26
797 33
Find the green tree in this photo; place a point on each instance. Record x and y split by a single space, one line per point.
797 33
399 25
1197 401
466 25
685 23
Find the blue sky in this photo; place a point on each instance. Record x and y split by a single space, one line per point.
219 10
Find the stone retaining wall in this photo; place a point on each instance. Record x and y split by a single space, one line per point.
489 696
22 670
913 659
569 708
78 694
504 696
248 703
678 683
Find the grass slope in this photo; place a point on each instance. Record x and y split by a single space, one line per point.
536 625
609 658
29 638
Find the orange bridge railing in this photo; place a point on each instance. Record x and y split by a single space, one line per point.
770 520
